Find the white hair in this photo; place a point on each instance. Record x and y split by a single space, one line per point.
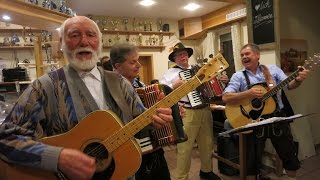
62 29
82 65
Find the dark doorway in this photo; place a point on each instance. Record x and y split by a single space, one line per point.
226 50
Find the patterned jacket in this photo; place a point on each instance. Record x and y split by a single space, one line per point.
53 104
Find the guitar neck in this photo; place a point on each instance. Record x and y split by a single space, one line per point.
278 87
144 119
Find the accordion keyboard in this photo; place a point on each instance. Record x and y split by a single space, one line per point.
194 96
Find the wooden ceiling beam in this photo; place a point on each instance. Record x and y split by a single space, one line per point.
218 17
30 15
231 1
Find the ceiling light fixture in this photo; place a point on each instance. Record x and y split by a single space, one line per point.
191 7
6 17
146 2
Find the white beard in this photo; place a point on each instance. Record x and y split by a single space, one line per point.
78 64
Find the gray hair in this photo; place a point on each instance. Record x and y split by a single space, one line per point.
119 52
62 27
252 46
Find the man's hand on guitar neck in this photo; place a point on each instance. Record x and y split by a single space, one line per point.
76 165
296 82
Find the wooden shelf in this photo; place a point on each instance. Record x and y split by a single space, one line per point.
15 47
11 87
20 82
143 47
194 36
19 30
30 15
137 32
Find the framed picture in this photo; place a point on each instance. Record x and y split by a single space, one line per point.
293 53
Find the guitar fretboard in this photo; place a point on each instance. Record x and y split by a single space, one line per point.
133 127
278 87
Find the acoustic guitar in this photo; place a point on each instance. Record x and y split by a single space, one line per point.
251 110
103 136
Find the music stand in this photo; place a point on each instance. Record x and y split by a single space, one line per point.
242 145
264 122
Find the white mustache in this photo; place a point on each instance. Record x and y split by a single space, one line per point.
78 50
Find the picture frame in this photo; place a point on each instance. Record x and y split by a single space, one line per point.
293 53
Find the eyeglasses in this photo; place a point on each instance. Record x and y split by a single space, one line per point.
182 54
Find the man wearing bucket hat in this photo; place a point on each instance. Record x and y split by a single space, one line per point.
197 121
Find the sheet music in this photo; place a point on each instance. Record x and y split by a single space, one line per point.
260 123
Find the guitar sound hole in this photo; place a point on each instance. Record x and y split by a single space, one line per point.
96 150
256 103
105 164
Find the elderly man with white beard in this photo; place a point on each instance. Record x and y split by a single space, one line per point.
59 101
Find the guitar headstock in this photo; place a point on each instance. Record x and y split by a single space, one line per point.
312 62
215 66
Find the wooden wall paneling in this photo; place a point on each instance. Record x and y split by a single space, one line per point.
218 17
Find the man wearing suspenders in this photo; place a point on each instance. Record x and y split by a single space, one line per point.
239 89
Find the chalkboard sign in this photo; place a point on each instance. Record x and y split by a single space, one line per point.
262 21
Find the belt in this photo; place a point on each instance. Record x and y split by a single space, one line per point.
197 107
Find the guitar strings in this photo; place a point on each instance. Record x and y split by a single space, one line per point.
99 149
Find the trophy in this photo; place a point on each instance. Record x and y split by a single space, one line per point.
63 7
31 35
115 24
45 4
153 40
125 22
14 39
49 4
34 2
44 36
97 21
70 12
134 28
140 26
6 41
104 24
140 39
117 38
128 38
150 24
161 39
133 40
145 26
160 25
49 36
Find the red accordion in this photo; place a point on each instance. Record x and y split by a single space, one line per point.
207 92
172 133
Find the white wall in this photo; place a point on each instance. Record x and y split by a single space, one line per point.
299 20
